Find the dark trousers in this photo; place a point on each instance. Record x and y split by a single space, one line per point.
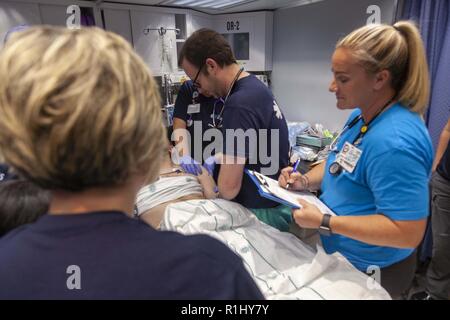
397 278
438 273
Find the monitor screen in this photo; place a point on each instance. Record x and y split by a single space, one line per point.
240 44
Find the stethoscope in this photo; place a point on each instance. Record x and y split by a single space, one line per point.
214 116
335 168
333 145
219 118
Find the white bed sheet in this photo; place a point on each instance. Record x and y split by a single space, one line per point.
282 265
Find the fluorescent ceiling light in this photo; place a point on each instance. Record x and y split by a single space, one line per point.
212 4
204 2
226 4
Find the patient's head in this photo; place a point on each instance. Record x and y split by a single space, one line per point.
21 202
79 109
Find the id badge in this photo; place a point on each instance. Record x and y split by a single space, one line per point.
348 157
193 108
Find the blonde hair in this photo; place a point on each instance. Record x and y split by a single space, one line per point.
398 49
79 109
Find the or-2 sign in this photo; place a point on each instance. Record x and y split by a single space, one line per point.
233 25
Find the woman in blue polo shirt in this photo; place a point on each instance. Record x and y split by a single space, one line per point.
376 177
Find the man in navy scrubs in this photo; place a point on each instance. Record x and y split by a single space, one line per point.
249 106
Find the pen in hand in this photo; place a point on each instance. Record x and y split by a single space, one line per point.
294 170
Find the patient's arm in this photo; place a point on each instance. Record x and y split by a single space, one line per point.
208 184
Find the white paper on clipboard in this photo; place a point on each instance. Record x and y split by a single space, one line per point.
272 186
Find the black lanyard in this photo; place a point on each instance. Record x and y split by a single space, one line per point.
365 127
335 168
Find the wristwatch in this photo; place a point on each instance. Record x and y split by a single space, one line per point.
325 228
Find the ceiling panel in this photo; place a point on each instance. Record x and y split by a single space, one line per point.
220 6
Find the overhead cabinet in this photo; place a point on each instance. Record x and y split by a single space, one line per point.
250 36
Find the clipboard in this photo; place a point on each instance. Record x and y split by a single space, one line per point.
269 189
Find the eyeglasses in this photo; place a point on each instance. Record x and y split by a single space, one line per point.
196 84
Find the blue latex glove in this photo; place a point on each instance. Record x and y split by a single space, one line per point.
209 164
191 166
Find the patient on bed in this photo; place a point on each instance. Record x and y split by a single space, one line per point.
281 264
173 186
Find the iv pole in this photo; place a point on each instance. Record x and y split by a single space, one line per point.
167 82
161 30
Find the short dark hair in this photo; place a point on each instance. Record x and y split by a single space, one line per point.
206 43
21 202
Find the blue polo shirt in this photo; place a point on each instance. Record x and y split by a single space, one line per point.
251 108
107 255
196 122
390 178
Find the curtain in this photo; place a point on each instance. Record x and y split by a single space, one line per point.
433 19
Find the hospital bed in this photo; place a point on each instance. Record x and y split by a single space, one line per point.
282 265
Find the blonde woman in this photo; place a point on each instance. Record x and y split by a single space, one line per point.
376 177
80 117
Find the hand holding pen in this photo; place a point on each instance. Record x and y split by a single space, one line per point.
290 178
293 171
